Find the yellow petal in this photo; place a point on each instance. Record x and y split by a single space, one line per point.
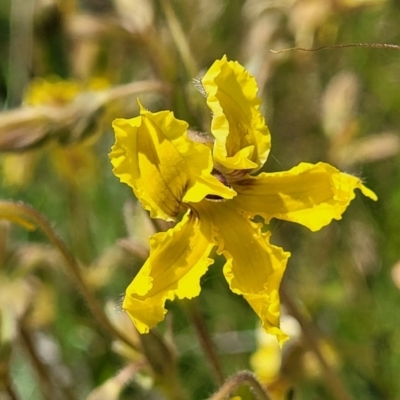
178 259
311 195
242 137
153 155
254 268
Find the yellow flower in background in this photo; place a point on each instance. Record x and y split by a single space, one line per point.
18 168
55 91
73 162
170 173
267 361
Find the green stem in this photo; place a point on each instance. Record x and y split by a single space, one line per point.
205 339
22 214
161 358
134 88
332 379
237 380
180 38
20 49
50 388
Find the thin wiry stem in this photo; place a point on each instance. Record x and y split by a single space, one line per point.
133 88
205 340
237 380
29 217
20 49
48 386
24 214
341 46
179 38
332 379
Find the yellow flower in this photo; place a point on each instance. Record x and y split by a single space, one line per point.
58 92
75 161
168 173
267 360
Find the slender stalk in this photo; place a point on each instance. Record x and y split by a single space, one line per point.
50 389
23 213
341 46
134 88
237 380
332 379
161 357
20 49
205 340
180 38
29 217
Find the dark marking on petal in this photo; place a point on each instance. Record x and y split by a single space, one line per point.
222 178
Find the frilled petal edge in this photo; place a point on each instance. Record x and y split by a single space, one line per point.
242 137
309 194
178 259
254 268
154 156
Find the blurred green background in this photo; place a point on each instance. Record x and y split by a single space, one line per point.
67 70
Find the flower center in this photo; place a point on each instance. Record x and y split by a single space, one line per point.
222 178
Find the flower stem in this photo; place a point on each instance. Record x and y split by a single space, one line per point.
28 216
134 88
180 38
237 380
332 379
205 340
50 388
